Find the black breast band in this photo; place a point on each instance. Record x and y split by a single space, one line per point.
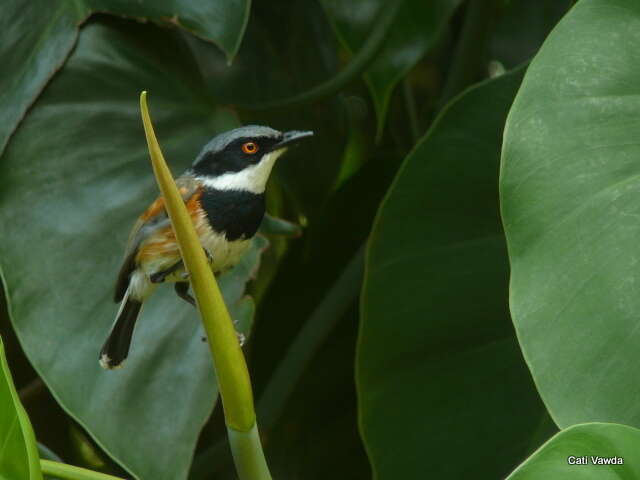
237 213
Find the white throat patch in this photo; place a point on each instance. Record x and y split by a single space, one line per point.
253 178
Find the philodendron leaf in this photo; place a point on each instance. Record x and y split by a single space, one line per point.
18 449
73 180
438 365
588 451
414 31
570 192
36 37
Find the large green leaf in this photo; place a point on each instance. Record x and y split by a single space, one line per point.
438 366
18 449
591 443
415 29
221 22
74 178
570 192
36 36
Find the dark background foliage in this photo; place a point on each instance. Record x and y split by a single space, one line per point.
389 359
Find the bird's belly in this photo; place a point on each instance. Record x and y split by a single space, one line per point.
224 254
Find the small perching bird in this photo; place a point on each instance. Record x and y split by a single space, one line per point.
224 195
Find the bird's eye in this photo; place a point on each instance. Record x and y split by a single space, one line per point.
250 148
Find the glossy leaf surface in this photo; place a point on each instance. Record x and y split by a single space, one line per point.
570 193
36 37
438 365
592 443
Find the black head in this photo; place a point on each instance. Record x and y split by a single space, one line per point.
239 149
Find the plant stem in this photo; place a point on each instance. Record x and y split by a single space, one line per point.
71 472
231 368
358 64
247 453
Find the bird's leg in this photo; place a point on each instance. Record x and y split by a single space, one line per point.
182 289
209 257
159 277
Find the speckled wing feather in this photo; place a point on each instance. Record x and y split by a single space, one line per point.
152 220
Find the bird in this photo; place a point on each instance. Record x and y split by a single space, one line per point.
224 192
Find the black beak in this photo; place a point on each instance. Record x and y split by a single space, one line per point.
290 138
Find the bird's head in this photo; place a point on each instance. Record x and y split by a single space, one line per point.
242 159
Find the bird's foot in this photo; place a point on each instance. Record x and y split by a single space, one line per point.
241 336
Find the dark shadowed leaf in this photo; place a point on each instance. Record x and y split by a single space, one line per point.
591 443
74 178
570 191
18 450
316 427
522 28
439 370
36 36
414 31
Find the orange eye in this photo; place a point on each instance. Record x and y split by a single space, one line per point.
250 148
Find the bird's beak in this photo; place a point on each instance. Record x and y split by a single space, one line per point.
290 138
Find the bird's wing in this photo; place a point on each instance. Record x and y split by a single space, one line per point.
151 221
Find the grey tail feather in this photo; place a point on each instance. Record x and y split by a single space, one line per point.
116 347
